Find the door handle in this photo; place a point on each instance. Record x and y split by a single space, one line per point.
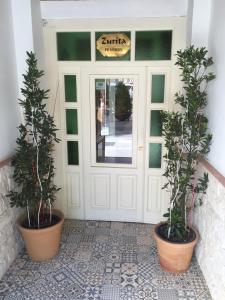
140 148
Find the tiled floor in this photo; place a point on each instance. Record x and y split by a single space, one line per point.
105 261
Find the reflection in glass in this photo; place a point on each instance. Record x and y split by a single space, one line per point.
71 121
70 88
155 153
72 153
153 45
156 123
158 88
74 45
114 102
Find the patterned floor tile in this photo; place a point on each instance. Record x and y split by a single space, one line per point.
92 293
113 256
102 261
147 292
102 231
94 279
129 256
110 292
167 294
128 293
129 269
129 280
113 268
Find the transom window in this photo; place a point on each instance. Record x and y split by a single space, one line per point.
115 46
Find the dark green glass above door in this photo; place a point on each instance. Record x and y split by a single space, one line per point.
153 45
74 46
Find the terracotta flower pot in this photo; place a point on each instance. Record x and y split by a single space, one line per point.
42 244
174 257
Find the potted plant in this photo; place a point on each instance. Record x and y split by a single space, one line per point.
33 166
186 140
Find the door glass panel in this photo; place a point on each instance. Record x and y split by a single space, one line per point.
155 152
153 45
72 153
71 121
114 103
70 88
74 46
158 88
156 123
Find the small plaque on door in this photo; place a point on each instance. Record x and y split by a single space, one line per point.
113 44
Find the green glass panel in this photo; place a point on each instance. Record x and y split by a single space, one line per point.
70 88
156 123
155 152
158 88
99 56
71 121
74 45
153 45
72 153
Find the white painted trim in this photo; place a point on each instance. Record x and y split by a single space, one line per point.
113 73
120 24
90 9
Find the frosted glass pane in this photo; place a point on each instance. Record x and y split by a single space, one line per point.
72 153
158 88
156 123
155 152
153 45
70 88
71 121
74 46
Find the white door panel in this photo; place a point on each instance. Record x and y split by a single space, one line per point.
118 185
100 191
127 192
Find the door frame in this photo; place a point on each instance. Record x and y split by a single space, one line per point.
54 82
112 73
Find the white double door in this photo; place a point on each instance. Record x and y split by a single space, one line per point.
113 130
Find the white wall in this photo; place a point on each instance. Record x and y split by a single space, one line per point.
189 21
216 95
9 111
200 22
23 35
28 34
207 28
20 31
113 8
37 32
17 31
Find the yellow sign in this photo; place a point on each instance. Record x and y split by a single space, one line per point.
113 44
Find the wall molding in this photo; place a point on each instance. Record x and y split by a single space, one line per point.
213 171
5 162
